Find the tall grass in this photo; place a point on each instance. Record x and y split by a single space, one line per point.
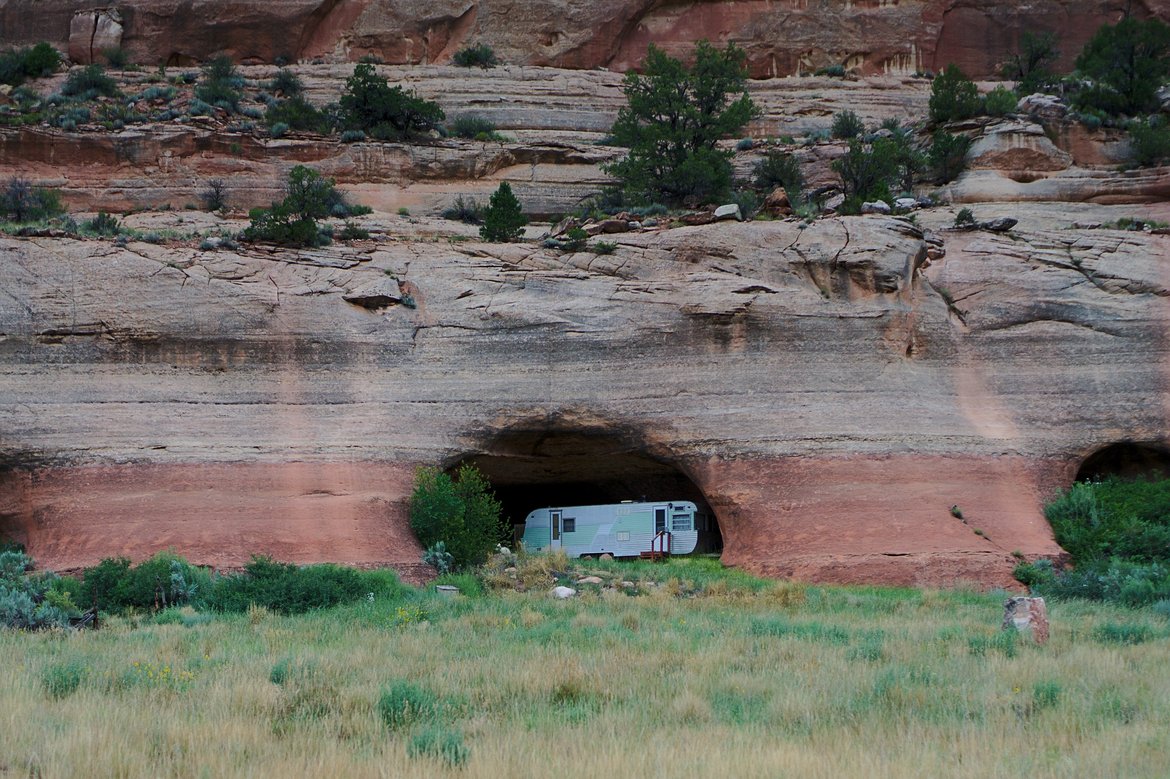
717 677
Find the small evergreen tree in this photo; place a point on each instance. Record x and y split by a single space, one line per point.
948 155
953 96
1031 67
503 219
674 118
370 104
1129 61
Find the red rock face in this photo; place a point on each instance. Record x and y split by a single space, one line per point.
216 514
780 38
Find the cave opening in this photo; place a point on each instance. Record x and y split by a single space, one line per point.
532 469
1128 460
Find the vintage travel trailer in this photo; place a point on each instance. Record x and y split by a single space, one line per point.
621 529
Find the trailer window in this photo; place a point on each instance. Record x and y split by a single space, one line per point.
680 522
569 525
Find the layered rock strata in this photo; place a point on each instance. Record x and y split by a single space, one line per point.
780 38
828 390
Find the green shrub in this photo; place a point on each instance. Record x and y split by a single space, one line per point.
61 680
575 239
1032 66
833 71
953 96
220 84
461 512
89 82
102 224
780 169
404 703
1123 633
352 231
1000 101
285 588
673 120
603 247
846 125
1149 142
286 83
439 743
293 221
370 104
278 130
948 155
480 55
965 218
1126 64
18 65
503 219
474 127
866 172
296 113
1118 534
27 599
116 57
164 580
20 201
352 136
463 210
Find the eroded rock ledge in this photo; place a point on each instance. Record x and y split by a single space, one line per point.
828 390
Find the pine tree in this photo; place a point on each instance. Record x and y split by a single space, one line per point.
503 219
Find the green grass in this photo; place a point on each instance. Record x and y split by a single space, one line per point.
719 673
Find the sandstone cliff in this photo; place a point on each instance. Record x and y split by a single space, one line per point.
827 390
781 38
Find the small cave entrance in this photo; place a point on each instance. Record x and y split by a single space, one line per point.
1128 460
532 469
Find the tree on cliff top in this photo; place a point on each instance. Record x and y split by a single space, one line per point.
1128 61
387 113
674 118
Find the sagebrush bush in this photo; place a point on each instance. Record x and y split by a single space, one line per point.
61 680
465 210
20 201
296 113
440 743
102 224
30 600
846 125
479 55
474 127
404 703
286 83
89 82
220 84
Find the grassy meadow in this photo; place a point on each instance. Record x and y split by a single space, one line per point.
686 671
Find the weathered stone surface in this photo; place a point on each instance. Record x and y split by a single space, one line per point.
729 211
92 32
779 40
813 385
875 207
561 592
1028 616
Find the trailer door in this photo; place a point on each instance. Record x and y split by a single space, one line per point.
555 521
660 520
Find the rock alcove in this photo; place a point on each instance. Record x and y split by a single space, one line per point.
1127 459
536 468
